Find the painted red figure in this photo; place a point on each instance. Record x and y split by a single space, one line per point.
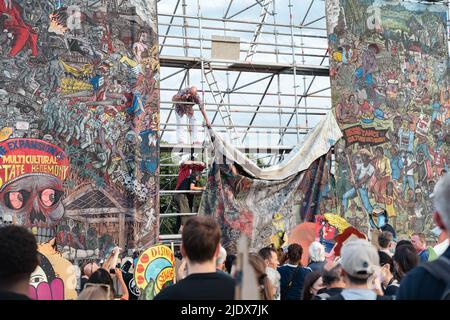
24 35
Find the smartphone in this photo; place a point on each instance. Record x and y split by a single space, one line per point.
126 266
112 271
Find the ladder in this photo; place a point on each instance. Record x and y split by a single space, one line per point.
265 4
218 96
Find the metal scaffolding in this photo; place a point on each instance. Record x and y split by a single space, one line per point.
268 98
282 64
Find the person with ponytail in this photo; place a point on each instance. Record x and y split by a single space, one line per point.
266 289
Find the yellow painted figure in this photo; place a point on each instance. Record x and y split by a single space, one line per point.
280 237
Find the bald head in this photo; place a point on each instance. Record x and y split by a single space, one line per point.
90 268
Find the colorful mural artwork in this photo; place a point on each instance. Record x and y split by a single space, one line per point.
265 211
266 204
390 85
79 121
55 277
154 271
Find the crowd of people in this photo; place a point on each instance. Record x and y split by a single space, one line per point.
389 270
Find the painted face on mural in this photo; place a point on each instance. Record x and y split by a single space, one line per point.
34 201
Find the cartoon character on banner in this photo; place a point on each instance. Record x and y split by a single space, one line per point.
333 231
280 237
154 271
379 222
325 233
32 172
55 278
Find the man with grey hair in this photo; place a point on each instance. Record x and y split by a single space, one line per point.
220 261
431 280
316 256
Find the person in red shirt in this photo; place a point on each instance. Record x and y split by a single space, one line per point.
184 202
187 167
24 35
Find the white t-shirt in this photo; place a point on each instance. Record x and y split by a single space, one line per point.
274 277
364 171
441 247
409 161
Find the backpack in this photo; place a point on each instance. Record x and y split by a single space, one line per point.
440 269
284 290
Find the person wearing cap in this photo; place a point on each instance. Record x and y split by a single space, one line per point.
363 174
360 262
430 280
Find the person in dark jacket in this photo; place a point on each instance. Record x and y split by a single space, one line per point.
293 274
388 282
422 283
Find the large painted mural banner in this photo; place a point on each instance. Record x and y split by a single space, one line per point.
390 83
79 121
265 211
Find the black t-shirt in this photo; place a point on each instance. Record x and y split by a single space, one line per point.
83 282
391 290
5 295
133 290
324 294
200 286
186 183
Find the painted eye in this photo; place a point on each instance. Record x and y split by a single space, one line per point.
37 279
50 196
16 199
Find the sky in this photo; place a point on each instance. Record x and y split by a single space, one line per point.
216 9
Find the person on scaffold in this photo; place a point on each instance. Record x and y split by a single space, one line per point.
186 99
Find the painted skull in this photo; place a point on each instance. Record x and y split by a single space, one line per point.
35 203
